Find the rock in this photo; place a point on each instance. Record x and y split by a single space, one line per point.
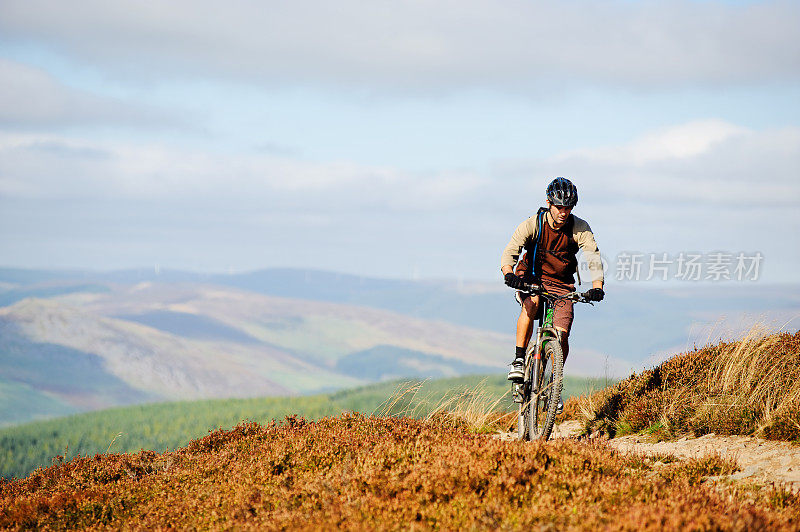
748 472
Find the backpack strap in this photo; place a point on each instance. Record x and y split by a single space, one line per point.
537 237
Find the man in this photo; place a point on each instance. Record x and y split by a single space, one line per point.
550 259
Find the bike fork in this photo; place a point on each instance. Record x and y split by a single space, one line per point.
532 369
536 362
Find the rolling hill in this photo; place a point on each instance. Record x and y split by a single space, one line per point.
81 350
72 341
685 313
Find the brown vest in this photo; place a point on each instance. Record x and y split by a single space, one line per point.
556 255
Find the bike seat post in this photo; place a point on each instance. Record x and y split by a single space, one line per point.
545 303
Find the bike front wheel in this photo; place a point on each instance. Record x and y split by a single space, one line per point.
540 409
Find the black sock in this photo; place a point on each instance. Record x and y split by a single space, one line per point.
520 352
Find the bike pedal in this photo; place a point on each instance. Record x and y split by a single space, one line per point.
517 393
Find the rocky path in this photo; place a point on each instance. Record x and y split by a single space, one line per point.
760 461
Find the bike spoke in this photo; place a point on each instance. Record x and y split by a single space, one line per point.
546 388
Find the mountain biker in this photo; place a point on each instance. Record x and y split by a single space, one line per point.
554 265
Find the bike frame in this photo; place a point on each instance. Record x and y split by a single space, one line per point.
533 388
545 332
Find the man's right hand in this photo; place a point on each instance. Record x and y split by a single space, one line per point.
513 281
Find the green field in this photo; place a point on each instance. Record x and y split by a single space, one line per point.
163 426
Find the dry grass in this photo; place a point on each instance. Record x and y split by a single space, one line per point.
759 377
401 402
367 473
747 387
476 408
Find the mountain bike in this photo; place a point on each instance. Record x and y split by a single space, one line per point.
539 392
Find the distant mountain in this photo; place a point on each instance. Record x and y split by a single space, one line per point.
386 362
125 344
634 322
479 305
170 334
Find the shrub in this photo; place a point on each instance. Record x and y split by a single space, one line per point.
747 387
356 472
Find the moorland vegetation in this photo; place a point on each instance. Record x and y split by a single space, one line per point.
749 387
168 426
444 470
356 472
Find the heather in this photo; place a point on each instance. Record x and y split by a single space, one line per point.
357 472
748 387
163 426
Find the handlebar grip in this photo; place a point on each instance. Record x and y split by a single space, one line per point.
532 287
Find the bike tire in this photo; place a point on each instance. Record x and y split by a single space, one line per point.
541 409
522 412
525 390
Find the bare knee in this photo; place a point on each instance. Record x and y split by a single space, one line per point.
530 306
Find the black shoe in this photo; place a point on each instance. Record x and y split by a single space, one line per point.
517 373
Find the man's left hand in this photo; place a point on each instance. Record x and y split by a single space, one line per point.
595 294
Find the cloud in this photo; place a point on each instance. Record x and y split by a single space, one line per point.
708 162
32 98
677 142
56 167
697 163
728 188
417 45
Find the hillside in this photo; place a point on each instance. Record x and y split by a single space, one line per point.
746 387
75 341
81 350
687 313
440 470
354 472
162 426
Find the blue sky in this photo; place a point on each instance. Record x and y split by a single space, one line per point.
393 138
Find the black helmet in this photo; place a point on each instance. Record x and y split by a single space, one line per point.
561 191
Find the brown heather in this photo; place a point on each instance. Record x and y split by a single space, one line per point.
356 472
749 387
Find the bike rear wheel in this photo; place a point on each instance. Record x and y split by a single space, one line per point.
542 401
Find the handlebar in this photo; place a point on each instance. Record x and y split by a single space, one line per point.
536 289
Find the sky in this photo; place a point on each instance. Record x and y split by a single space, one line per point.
402 139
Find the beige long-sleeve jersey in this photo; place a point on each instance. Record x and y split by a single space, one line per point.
525 234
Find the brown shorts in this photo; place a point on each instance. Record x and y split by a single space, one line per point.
563 312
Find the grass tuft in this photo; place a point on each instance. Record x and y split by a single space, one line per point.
749 387
478 408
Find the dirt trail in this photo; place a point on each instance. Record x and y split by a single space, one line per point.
760 461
